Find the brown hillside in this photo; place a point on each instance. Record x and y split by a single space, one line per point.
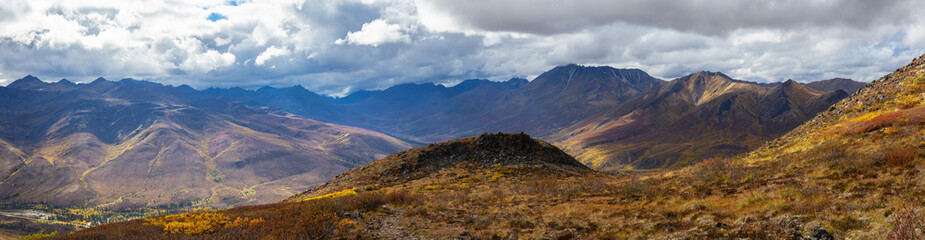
129 144
689 119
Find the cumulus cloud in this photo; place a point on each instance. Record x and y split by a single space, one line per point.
374 33
271 52
338 46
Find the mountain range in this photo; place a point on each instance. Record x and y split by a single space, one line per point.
851 172
134 143
588 111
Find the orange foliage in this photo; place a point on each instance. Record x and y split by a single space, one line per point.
312 219
900 156
896 118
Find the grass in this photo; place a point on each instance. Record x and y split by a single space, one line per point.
852 175
719 198
318 218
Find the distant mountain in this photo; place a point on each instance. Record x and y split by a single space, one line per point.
429 112
610 118
135 143
424 113
552 101
28 82
847 85
699 116
33 83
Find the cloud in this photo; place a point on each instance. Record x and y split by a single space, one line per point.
271 52
338 46
374 33
547 17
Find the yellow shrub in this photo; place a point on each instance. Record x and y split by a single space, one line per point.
244 222
191 223
344 193
889 130
908 101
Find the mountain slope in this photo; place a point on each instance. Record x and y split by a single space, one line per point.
847 173
884 116
696 117
426 192
132 144
847 85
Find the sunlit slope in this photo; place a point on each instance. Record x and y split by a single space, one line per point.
692 118
101 145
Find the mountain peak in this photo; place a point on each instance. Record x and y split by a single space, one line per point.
30 78
702 86
709 74
99 80
606 82
790 83
27 82
844 84
64 81
704 79
33 83
186 88
570 65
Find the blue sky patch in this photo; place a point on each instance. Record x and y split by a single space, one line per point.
215 17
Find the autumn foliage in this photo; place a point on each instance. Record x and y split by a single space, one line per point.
874 121
311 219
901 156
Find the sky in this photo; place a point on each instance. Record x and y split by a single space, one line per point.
335 47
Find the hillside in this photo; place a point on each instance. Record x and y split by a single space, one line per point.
689 119
426 192
850 172
483 152
847 85
129 144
